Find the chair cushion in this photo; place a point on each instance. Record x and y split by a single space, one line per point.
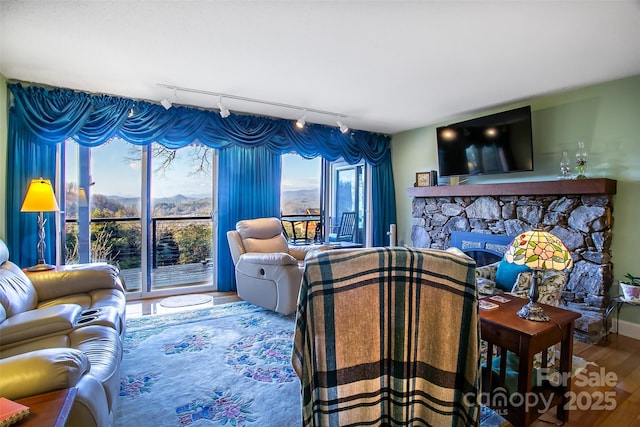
259 228
550 286
48 369
274 244
271 258
507 274
262 235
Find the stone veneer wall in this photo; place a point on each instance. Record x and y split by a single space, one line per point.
583 223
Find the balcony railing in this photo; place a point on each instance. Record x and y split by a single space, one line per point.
181 249
303 228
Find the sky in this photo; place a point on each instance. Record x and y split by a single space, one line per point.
115 172
299 173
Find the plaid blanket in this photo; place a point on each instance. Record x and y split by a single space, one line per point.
388 336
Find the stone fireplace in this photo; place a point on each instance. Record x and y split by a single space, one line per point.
579 212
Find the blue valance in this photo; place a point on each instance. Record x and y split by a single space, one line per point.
91 120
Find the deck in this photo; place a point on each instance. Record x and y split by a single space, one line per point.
170 276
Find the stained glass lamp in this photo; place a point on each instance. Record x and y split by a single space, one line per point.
40 198
539 250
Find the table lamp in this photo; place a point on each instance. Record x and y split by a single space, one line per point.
40 198
538 250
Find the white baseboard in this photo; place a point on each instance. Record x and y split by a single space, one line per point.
628 329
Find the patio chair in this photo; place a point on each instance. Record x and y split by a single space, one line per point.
345 231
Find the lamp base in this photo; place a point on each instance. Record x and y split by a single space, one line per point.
533 311
41 267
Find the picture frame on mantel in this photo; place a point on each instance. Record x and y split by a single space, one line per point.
423 179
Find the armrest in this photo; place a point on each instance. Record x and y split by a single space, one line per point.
300 252
277 258
488 271
39 322
76 279
487 286
41 371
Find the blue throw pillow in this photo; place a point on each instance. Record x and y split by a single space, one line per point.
507 274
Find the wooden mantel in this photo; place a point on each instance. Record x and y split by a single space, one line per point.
530 188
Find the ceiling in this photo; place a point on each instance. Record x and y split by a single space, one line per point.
387 66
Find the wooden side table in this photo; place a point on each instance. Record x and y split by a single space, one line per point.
502 328
48 409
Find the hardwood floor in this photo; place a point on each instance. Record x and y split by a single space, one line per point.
150 307
617 359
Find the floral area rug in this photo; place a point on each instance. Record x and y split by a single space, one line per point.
224 366
229 365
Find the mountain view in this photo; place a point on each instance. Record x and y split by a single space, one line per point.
115 239
292 203
298 201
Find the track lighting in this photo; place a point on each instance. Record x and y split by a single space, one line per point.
168 103
300 122
343 128
224 111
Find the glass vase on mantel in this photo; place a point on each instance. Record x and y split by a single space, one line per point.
581 161
565 166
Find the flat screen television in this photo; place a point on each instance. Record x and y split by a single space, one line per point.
493 144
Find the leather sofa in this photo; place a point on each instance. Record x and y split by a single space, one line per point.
268 269
63 328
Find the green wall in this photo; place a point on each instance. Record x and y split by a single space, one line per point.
3 156
605 116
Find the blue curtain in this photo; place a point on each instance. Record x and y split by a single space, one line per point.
384 201
50 116
27 159
250 188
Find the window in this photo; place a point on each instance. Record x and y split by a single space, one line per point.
300 184
300 197
316 187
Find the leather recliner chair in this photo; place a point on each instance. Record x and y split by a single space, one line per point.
62 329
268 269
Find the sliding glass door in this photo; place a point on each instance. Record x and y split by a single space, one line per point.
181 210
146 209
349 193
102 207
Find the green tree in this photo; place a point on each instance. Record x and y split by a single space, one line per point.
167 250
194 241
